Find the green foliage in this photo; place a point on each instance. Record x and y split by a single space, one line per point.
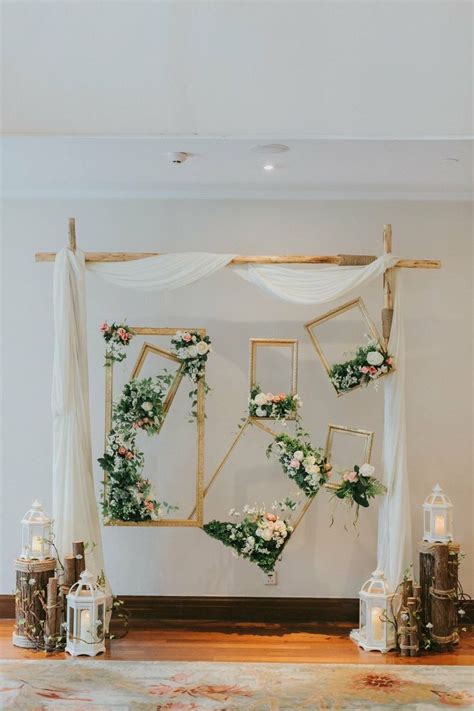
278 407
360 490
304 464
359 370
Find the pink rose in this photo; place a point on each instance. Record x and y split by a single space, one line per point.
270 397
135 426
372 369
122 333
389 360
295 464
104 327
187 337
282 396
149 505
364 369
350 476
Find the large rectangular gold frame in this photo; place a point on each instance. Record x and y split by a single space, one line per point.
200 421
256 343
328 451
355 303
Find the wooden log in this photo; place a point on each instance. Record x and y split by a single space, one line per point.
69 571
443 610
426 580
72 234
414 638
388 286
53 616
78 552
32 578
337 259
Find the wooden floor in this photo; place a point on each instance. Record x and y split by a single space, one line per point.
214 641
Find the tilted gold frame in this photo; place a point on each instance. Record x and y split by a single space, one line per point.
309 326
200 420
351 432
328 451
292 343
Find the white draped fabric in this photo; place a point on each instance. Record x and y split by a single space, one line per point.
74 494
74 500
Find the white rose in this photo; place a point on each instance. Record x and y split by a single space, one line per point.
313 469
259 532
374 358
298 455
260 399
251 540
192 351
147 406
267 534
367 470
309 461
259 412
202 347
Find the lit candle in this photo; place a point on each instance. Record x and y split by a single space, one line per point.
36 544
85 633
440 525
377 624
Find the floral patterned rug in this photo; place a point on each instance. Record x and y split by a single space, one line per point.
190 686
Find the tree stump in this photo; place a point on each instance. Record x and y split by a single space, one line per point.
30 600
439 581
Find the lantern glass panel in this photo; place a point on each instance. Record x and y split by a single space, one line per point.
363 619
71 626
376 624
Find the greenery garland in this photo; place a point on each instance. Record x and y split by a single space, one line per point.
193 349
278 407
259 537
305 465
359 485
118 337
369 363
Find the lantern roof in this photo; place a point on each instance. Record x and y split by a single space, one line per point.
36 515
437 498
86 587
376 584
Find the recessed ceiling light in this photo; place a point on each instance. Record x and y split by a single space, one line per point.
268 167
271 148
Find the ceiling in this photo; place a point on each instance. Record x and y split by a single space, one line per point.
373 98
292 68
219 168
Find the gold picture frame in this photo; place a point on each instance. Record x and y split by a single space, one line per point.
292 343
311 325
147 348
350 431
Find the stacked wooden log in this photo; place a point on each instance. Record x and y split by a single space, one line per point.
408 619
40 600
439 564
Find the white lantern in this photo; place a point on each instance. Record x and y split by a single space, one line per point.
438 517
36 534
85 620
376 630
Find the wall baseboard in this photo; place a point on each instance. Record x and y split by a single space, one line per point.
152 608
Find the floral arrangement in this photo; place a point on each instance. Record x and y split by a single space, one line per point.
193 349
369 363
307 466
359 485
259 536
117 336
140 405
130 496
278 407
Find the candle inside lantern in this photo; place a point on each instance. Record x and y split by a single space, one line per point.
85 632
440 525
36 544
377 624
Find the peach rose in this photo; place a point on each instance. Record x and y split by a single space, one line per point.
389 360
122 451
350 476
295 464
271 517
129 455
187 337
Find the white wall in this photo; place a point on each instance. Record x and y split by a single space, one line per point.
320 561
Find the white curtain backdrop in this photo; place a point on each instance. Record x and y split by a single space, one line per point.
74 499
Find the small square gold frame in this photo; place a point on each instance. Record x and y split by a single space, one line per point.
255 344
309 326
200 421
332 429
351 432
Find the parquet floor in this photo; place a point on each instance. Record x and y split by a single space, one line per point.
216 641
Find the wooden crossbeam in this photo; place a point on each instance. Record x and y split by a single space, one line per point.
337 259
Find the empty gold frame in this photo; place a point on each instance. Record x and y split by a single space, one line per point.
334 313
196 517
367 454
260 343
365 437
